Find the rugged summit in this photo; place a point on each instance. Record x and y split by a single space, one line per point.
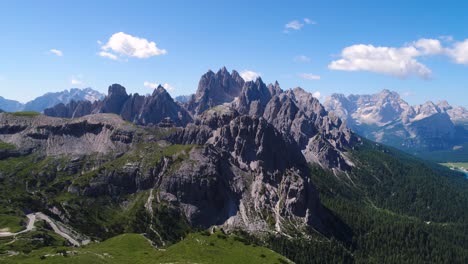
221 97
386 118
144 110
236 179
248 167
252 163
215 89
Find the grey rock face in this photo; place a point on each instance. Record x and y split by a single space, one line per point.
114 101
144 110
246 179
254 97
215 89
73 109
52 136
323 138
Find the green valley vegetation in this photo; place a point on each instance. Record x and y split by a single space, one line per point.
134 248
390 208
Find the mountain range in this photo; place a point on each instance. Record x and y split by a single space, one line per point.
385 117
237 161
51 99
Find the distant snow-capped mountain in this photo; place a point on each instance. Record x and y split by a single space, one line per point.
385 117
51 99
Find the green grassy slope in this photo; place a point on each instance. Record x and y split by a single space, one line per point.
10 223
134 248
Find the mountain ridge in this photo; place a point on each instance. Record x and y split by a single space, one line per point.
385 117
51 99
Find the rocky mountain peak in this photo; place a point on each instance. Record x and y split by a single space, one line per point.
144 110
117 90
215 89
160 90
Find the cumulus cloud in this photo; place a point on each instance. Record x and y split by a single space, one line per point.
316 94
56 52
459 52
429 46
301 58
309 76
249 75
400 62
124 45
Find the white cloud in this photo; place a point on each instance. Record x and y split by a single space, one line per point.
168 87
294 25
459 52
399 62
309 76
153 85
109 55
249 75
429 46
309 22
56 52
121 44
150 85
301 58
316 94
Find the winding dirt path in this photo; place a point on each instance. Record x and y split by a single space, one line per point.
32 218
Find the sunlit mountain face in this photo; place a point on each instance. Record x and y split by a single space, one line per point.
248 132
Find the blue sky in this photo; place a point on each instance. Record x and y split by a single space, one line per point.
417 48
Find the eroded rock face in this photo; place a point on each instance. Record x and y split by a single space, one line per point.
237 179
254 97
215 89
250 145
254 184
144 110
102 133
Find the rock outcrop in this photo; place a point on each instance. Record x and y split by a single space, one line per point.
103 133
143 110
215 89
